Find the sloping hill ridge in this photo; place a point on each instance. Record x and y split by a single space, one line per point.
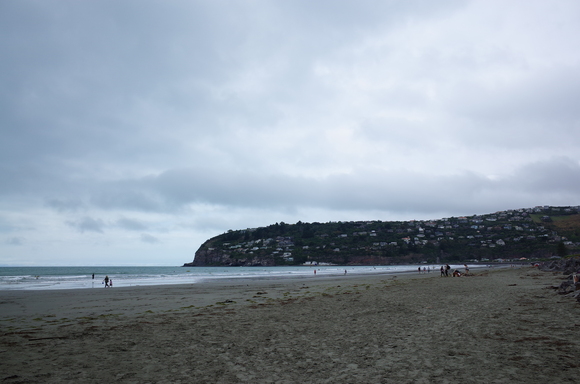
539 232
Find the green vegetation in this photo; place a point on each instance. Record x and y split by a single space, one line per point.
539 232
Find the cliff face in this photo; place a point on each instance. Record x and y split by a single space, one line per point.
208 257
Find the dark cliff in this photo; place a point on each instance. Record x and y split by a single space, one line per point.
209 256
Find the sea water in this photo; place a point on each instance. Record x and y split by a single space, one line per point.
42 278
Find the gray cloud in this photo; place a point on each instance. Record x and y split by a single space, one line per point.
146 238
15 241
558 175
131 224
362 189
87 224
68 205
197 117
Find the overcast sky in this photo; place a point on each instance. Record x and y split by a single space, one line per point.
132 131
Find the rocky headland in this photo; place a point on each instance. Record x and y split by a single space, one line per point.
519 234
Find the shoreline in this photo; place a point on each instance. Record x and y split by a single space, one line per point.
494 326
81 279
64 303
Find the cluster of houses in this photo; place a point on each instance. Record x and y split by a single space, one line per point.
280 246
479 231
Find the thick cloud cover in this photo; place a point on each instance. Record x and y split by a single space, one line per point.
132 131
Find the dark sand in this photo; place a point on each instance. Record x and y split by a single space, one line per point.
502 326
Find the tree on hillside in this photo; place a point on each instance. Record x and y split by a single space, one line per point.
562 250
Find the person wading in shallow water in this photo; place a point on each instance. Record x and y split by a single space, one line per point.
106 281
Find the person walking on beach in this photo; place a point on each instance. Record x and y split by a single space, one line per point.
442 271
466 269
106 280
447 268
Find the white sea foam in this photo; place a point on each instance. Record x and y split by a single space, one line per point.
41 278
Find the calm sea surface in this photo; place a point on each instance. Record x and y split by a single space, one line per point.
40 278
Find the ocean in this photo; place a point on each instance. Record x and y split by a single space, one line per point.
42 278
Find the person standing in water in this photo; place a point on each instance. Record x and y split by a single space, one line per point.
106 281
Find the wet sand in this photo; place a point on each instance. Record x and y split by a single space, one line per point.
502 326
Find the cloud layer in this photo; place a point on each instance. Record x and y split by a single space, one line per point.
133 131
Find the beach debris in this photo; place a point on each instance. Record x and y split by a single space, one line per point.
566 266
566 287
571 267
225 302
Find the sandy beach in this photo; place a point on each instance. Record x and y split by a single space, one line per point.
498 326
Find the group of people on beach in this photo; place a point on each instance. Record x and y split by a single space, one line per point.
445 271
107 281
